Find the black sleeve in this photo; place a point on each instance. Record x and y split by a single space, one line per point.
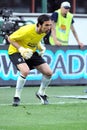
72 21
54 16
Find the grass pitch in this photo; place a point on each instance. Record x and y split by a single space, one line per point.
60 114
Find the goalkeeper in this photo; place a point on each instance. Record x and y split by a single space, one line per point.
22 51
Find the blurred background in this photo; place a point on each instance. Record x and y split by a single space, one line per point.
40 6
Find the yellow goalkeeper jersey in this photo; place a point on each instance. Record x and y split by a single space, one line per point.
26 37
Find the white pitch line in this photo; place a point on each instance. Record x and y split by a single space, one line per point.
10 104
4 87
56 103
84 97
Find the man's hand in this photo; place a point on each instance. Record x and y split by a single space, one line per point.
25 52
81 45
58 43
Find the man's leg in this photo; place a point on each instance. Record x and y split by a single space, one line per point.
47 73
44 84
41 92
23 68
19 86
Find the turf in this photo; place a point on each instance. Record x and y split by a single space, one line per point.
60 114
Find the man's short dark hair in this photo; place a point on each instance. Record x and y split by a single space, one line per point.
42 18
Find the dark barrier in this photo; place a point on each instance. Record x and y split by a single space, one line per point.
69 65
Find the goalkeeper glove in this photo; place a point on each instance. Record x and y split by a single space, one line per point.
42 51
25 52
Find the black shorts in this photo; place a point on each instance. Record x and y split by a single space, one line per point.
35 60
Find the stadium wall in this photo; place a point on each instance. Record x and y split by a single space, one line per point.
69 65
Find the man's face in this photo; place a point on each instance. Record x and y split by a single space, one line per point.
45 27
64 10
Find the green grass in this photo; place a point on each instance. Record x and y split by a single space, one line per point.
60 114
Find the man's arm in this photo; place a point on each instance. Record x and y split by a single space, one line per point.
53 34
54 19
25 52
41 48
15 44
76 36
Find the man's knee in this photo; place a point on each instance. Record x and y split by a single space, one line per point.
49 73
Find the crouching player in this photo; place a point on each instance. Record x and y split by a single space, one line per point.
22 51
